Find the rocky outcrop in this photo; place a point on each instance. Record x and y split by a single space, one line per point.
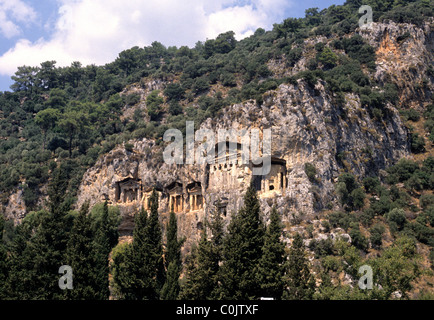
404 56
307 126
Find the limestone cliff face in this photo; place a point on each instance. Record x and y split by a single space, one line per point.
308 126
404 55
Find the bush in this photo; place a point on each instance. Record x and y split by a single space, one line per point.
322 247
175 108
377 235
410 114
129 147
381 206
357 239
357 199
396 219
174 91
426 201
310 171
153 103
417 143
341 219
132 99
371 184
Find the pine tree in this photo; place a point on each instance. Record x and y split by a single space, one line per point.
242 250
215 254
173 252
102 247
3 262
271 265
154 247
41 251
300 282
200 272
171 287
132 276
80 256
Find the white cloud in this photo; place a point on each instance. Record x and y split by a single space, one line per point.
13 12
95 31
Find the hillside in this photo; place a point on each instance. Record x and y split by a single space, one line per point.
351 118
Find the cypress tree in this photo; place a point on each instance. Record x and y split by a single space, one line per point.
41 251
200 272
271 265
131 276
81 258
3 262
171 287
102 248
173 252
242 250
154 247
215 254
299 281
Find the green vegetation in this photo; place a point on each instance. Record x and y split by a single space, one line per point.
57 121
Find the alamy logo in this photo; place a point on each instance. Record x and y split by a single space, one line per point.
366 281
365 22
65 282
200 147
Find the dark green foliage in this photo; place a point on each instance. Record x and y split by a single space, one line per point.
203 271
310 171
371 184
357 239
396 219
350 194
174 91
153 103
299 280
271 264
81 257
242 250
377 235
341 219
129 147
321 248
410 114
3 262
171 288
103 244
417 143
426 201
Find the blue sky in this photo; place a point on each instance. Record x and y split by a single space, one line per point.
95 31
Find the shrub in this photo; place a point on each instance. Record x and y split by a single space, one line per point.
426 201
310 171
357 198
381 206
129 147
132 99
396 219
410 114
357 239
327 57
174 91
340 219
417 143
371 184
175 108
377 235
153 103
